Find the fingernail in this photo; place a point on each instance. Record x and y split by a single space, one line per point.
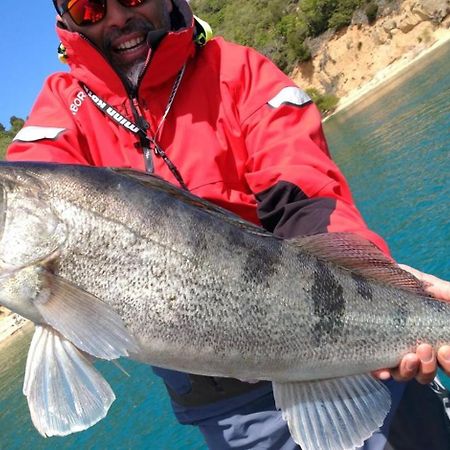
384 376
426 356
411 366
446 354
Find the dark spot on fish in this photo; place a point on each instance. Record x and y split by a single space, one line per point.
197 240
235 237
400 316
261 263
329 304
363 287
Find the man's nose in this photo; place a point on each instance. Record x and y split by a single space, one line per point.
117 15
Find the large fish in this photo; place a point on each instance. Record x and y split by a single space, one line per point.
110 263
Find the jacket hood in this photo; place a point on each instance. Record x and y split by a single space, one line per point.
89 65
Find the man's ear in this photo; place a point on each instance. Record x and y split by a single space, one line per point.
169 5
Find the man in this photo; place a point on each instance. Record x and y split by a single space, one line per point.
146 91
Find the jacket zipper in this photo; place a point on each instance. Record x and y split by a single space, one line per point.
145 144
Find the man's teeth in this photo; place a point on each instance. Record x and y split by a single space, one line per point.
131 43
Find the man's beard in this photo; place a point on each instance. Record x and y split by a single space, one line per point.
132 71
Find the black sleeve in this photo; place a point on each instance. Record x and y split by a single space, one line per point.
286 211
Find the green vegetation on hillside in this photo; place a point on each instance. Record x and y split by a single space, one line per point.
280 29
6 136
325 102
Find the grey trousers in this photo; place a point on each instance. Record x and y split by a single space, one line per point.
417 421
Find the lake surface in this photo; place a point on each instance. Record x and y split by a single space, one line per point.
395 154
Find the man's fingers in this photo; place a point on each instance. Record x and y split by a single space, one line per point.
444 358
433 285
421 365
428 364
407 369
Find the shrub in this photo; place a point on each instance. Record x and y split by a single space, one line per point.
343 13
6 136
339 20
325 102
371 12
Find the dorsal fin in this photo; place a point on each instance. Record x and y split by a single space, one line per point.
352 252
156 183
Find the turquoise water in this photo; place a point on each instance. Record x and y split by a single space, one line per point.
394 153
140 418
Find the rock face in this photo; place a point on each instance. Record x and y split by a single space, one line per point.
345 61
435 10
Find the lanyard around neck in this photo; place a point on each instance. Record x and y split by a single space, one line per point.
148 143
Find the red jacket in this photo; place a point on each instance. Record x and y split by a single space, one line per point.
237 136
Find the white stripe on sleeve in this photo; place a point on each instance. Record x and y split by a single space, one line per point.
291 95
33 133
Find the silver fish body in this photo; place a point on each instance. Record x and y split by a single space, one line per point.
199 290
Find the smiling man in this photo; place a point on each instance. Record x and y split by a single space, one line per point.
122 29
148 90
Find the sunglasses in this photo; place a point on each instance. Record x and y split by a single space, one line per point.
89 12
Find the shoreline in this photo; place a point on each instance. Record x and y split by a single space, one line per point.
387 75
10 325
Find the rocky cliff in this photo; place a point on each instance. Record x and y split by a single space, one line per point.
346 61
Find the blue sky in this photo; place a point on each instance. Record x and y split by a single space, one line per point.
28 45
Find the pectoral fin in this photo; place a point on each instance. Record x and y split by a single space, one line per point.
83 319
334 414
65 392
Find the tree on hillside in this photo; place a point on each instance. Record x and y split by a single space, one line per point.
16 124
6 136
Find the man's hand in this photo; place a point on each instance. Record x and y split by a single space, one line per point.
423 364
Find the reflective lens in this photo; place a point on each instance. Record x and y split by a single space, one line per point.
88 12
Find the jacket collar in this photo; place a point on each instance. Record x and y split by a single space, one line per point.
89 66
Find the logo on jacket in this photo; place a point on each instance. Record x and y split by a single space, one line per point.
77 102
